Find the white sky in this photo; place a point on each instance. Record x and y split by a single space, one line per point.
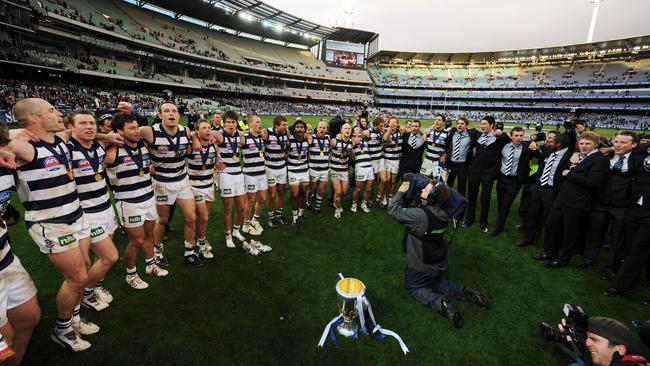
476 25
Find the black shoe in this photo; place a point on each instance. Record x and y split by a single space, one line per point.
555 264
295 224
273 223
495 232
612 292
302 220
280 220
162 262
449 311
484 228
467 223
645 302
542 256
476 297
318 213
586 264
607 275
524 243
194 260
521 227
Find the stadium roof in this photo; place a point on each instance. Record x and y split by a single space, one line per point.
603 48
257 18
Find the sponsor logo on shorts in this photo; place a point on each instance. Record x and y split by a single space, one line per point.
96 232
292 179
161 198
251 186
49 244
361 177
135 219
227 191
271 180
66 239
198 198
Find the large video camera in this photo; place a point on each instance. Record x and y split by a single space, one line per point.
574 325
417 183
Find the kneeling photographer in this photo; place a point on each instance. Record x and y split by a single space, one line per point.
424 207
607 341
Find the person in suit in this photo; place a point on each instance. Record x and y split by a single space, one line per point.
636 224
413 145
611 200
459 151
573 200
513 171
555 158
483 170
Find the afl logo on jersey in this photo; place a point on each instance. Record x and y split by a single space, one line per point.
51 164
5 196
128 161
84 165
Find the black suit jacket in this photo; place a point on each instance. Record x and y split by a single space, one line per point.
579 187
411 159
523 167
487 160
558 178
615 191
640 165
473 136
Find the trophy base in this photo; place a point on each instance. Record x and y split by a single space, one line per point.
347 329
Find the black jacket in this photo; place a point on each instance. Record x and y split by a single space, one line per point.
487 160
558 178
523 167
411 159
583 181
640 165
473 135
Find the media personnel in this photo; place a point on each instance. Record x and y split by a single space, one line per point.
425 248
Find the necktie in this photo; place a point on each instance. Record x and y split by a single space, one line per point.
619 163
546 173
483 140
413 141
456 152
511 158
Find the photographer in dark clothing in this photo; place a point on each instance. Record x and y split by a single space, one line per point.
426 250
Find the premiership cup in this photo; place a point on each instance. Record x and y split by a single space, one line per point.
349 289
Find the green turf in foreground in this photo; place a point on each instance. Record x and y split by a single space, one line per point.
271 309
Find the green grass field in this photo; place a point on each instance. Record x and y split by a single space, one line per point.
271 309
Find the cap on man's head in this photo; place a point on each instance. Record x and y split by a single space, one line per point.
612 330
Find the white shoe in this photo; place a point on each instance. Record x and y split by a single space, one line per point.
84 327
246 228
353 208
229 242
239 236
364 207
337 213
261 247
93 303
250 249
70 341
156 271
384 201
136 282
256 224
103 294
205 252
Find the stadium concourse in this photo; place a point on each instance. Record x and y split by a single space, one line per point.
224 161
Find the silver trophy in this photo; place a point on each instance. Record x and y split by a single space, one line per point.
349 289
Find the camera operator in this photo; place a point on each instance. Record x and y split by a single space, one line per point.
425 248
610 343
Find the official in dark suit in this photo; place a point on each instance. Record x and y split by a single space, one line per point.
413 145
483 170
459 151
549 177
513 171
636 227
610 203
574 201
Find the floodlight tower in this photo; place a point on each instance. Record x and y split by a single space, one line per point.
594 16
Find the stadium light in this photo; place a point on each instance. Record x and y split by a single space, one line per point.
594 16
246 16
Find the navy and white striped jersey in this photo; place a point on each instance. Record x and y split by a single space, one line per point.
229 150
45 188
200 166
88 169
393 147
436 144
376 145
319 151
362 155
298 157
340 155
168 154
253 152
7 186
275 150
129 174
